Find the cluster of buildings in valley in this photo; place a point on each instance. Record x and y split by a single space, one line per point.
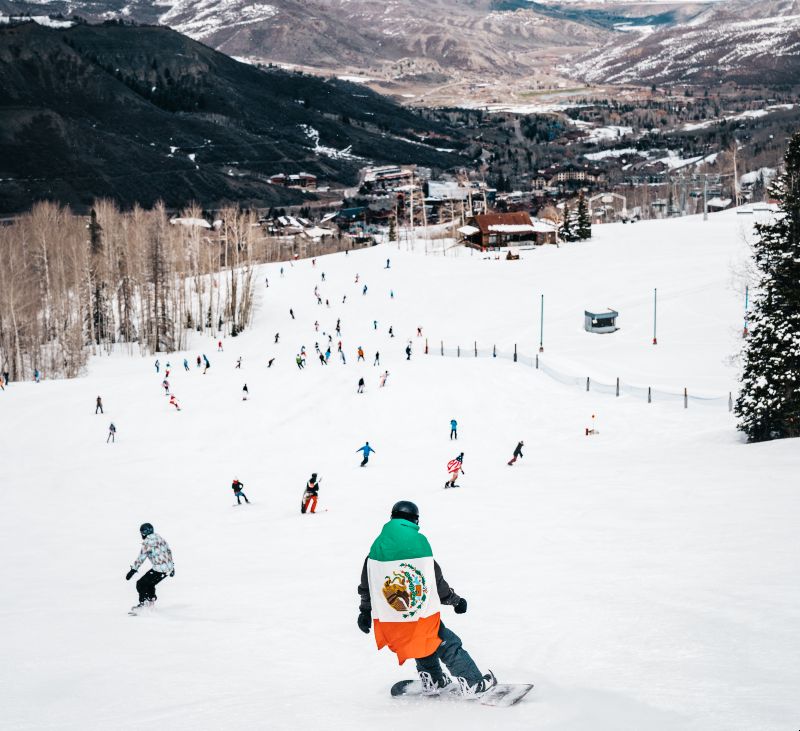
392 197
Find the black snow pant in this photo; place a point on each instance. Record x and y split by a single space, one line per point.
453 434
365 460
456 659
99 408
146 586
240 495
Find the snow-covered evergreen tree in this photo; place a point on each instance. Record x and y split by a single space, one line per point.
565 232
583 223
768 406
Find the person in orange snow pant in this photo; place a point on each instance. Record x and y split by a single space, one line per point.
310 495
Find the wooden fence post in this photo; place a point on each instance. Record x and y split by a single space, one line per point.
476 348
587 383
494 351
730 401
685 398
537 361
515 352
649 397
426 346
458 351
441 346
617 385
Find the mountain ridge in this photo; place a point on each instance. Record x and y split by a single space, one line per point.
141 113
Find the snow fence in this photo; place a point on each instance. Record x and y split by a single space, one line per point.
587 383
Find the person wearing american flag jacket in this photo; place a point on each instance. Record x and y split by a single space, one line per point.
156 549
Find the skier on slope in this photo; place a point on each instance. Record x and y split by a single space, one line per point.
245 392
366 450
453 429
238 491
156 549
383 378
517 453
112 433
174 402
185 364
309 503
454 466
408 351
396 573
98 406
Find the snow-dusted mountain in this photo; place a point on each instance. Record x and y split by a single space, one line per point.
736 40
439 41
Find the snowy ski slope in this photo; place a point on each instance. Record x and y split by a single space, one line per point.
645 578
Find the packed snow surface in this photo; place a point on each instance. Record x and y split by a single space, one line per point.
642 578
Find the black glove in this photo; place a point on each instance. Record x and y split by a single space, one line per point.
460 606
172 573
129 574
364 622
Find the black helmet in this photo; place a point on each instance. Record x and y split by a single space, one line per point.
313 477
406 510
146 529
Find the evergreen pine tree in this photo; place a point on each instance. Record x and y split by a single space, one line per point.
392 230
768 405
565 232
583 228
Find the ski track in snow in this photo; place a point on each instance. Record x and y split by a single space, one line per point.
642 578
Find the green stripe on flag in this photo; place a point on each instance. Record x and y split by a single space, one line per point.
400 539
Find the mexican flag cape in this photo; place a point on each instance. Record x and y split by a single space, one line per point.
402 589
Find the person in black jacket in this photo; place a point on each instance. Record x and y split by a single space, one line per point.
517 453
309 503
237 490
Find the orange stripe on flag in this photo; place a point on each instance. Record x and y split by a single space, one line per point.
409 639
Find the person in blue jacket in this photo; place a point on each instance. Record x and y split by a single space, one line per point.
366 450
453 429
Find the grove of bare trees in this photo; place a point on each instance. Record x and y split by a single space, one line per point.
71 286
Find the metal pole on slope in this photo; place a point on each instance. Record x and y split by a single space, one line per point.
541 328
655 310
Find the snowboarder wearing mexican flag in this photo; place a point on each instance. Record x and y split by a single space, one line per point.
402 590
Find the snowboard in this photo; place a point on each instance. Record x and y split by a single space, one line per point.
502 695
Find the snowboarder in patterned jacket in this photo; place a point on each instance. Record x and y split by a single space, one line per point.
237 486
156 549
402 589
517 453
309 503
454 466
